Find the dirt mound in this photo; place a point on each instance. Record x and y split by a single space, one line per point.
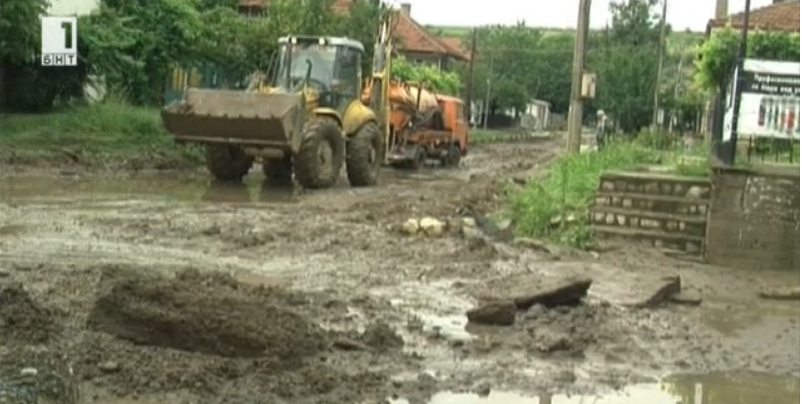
22 319
33 374
209 314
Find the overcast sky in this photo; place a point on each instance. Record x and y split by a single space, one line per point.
682 14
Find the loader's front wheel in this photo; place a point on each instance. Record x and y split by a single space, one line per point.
278 169
320 157
364 154
227 163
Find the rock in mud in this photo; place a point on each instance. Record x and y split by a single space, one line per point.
22 319
382 337
659 291
686 298
204 317
410 227
427 226
781 294
563 292
432 227
493 313
36 375
532 244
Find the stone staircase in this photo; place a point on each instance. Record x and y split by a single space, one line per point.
662 210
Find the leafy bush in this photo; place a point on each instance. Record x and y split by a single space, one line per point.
439 81
556 207
717 55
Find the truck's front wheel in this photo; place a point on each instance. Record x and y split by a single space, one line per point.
227 163
320 157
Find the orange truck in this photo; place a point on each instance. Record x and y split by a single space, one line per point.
424 126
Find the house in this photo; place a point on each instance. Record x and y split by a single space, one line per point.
415 42
780 16
419 45
258 8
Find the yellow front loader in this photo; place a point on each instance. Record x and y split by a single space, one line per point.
310 122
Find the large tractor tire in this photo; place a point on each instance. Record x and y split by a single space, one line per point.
278 169
364 155
320 158
227 163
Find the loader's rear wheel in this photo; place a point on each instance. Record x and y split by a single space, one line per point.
452 157
364 154
320 157
278 169
227 163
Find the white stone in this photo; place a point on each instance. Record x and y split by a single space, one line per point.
432 227
410 227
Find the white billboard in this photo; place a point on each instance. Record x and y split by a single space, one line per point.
769 101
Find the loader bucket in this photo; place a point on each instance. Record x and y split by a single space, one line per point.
233 116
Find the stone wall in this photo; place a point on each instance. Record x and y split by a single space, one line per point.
662 210
754 218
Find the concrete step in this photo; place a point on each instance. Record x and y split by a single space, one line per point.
641 233
649 214
652 197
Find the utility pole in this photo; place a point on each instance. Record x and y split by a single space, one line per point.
739 85
470 77
574 142
677 83
486 108
660 59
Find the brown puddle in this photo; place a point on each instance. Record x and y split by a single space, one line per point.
688 389
150 187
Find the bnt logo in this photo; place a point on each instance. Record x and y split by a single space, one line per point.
59 41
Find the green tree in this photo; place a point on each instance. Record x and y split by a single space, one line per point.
19 29
624 57
717 55
505 59
552 70
442 82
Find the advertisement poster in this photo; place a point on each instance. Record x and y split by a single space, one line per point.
769 102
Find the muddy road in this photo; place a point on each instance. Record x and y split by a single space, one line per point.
164 288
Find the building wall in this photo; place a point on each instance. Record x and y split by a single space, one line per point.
754 219
72 7
439 61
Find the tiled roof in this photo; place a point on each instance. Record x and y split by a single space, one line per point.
413 37
457 46
776 17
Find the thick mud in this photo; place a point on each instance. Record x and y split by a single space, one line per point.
169 289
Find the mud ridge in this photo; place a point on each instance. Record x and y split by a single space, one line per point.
22 319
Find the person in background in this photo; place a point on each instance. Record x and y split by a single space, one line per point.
601 126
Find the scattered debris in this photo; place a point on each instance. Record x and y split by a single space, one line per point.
531 244
781 294
426 226
493 313
662 291
686 298
569 291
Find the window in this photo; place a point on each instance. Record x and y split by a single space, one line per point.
350 72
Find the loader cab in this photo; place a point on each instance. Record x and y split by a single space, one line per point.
331 66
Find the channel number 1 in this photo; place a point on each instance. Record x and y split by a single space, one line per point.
67 28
